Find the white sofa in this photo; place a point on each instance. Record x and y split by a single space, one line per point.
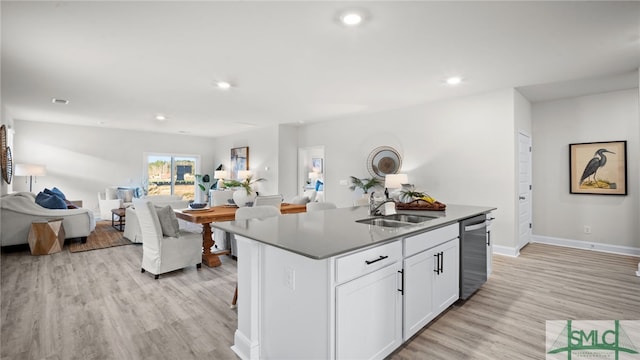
19 210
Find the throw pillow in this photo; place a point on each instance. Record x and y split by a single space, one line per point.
60 194
50 201
70 205
168 221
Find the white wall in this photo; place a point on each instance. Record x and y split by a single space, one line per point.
264 154
610 116
82 161
460 151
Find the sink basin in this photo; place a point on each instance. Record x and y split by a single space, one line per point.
414 219
396 220
383 222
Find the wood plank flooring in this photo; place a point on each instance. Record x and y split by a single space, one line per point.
97 305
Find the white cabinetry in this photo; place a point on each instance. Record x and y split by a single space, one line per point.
369 303
431 276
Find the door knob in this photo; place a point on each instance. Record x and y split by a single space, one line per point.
522 198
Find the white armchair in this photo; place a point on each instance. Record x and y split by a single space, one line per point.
162 254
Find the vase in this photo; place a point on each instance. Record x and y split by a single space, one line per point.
241 198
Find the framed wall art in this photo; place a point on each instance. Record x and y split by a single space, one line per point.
239 161
598 168
316 165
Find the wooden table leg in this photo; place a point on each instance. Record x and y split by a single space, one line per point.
208 258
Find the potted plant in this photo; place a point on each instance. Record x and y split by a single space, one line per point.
243 196
364 184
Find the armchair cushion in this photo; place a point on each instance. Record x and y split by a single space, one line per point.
168 221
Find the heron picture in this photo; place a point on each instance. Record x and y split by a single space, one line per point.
598 168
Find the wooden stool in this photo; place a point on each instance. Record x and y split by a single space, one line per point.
46 236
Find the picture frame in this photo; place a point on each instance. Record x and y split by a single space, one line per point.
598 168
239 161
316 165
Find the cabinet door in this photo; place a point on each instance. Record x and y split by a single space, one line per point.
369 315
446 285
418 292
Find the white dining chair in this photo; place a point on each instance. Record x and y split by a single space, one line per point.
268 200
220 197
319 206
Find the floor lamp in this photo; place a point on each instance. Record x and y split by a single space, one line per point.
30 170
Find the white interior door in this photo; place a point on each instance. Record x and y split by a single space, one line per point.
524 190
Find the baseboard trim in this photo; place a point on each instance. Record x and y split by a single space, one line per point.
587 245
505 250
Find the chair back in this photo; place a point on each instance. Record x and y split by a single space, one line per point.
149 226
268 200
311 194
220 197
256 212
361 201
319 206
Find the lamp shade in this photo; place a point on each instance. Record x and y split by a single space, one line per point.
30 170
220 174
395 181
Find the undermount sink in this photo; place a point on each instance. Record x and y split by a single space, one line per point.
383 222
396 220
414 219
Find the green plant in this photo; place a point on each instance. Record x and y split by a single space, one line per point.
364 184
199 180
246 184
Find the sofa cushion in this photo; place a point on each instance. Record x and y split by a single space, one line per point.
59 193
50 201
168 221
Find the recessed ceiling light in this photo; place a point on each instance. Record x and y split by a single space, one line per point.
59 101
223 85
161 117
351 18
454 80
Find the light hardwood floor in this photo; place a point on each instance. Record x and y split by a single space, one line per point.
97 305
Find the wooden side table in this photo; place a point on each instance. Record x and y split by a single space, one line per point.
120 213
46 236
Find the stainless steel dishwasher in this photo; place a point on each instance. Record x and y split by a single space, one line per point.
473 254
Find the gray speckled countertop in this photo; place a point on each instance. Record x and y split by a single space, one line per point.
323 234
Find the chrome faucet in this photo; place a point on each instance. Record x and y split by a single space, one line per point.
374 209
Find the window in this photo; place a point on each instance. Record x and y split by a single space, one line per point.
172 174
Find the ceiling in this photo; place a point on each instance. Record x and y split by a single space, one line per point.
121 63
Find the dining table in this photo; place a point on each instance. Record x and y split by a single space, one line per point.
220 213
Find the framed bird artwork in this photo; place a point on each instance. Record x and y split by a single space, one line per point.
598 168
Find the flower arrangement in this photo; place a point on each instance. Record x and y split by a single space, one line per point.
364 184
246 183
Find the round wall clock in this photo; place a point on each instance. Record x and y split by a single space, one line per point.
383 160
7 165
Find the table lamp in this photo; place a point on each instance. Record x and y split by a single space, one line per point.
394 181
220 175
30 170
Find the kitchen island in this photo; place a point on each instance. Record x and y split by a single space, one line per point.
320 285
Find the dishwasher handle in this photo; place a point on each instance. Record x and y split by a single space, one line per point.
475 226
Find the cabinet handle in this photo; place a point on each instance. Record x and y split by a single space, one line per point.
401 282
437 269
488 238
441 262
369 262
